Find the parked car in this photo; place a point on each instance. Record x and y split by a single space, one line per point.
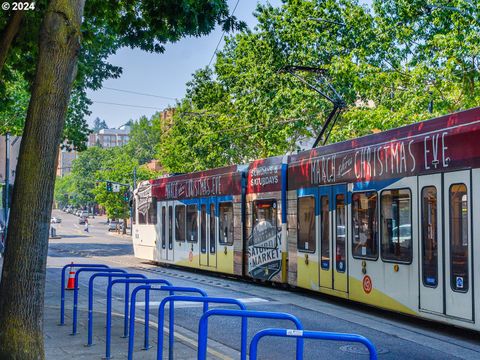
84 213
403 235
55 220
112 225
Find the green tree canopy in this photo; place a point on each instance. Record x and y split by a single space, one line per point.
99 124
69 41
393 63
144 138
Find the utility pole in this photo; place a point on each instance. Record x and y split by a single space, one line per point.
134 177
131 193
7 179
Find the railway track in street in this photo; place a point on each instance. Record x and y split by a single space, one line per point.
394 335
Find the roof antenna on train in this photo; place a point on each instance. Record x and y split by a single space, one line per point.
334 97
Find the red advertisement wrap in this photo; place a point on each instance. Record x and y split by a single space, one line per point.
215 182
443 144
265 175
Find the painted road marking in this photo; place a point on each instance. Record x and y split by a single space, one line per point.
180 304
187 340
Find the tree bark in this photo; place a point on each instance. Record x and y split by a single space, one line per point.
8 34
22 284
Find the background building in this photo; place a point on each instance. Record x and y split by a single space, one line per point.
65 160
14 147
110 137
10 169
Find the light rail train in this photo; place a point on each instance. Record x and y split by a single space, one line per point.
389 219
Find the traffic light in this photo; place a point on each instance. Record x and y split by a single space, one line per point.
126 196
109 186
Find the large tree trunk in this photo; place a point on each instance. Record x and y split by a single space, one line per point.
8 34
23 279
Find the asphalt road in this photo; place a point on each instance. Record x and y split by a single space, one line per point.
395 336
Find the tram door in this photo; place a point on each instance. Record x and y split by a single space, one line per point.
458 244
333 260
446 261
431 242
208 233
166 230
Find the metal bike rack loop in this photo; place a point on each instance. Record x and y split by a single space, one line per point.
148 288
75 291
305 334
205 300
62 285
108 334
203 327
90 297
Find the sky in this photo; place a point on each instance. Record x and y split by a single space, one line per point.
162 75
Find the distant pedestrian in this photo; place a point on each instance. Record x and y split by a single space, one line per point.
86 225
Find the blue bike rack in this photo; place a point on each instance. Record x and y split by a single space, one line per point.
203 328
90 297
62 285
305 334
148 288
205 301
108 334
75 291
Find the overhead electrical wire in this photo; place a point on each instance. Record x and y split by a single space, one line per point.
139 93
127 105
221 38
236 129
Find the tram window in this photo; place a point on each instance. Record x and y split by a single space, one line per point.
364 218
152 211
459 238
306 224
192 225
163 227
396 208
180 223
325 232
340 233
142 216
203 228
170 227
429 237
226 223
264 232
212 228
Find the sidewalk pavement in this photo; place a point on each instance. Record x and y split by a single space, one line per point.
60 344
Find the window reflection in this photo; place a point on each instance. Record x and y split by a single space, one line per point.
429 237
459 238
306 224
364 219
